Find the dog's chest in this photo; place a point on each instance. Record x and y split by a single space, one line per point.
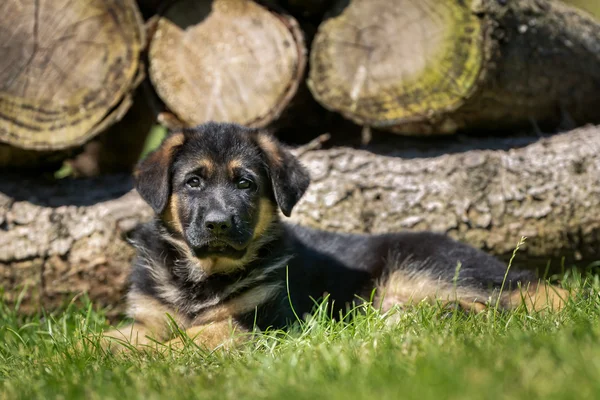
236 292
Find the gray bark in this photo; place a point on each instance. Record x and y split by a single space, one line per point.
67 237
548 191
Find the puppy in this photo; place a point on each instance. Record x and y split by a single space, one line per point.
217 260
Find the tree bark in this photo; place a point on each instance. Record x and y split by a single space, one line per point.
58 238
66 76
226 60
64 237
434 66
547 190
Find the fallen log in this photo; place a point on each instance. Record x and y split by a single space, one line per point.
438 66
64 237
226 60
65 76
547 190
60 238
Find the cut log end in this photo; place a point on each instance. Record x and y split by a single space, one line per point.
381 63
231 61
65 68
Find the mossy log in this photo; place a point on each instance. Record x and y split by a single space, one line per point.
438 66
591 6
67 69
65 237
226 60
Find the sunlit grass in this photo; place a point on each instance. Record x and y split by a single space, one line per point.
423 352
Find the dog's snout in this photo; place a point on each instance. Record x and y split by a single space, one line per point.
218 223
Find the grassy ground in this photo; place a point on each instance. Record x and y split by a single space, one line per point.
430 353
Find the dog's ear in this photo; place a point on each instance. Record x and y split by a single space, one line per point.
152 175
288 177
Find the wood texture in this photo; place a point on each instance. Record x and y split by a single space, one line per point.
67 69
226 60
432 66
62 238
65 237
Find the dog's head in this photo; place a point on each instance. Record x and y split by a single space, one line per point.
217 186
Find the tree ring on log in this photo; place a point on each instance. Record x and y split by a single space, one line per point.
381 63
226 60
67 67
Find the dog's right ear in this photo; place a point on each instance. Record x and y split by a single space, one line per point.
289 179
152 175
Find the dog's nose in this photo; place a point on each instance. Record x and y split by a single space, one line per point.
218 223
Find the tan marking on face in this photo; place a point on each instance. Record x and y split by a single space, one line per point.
171 214
537 297
207 164
245 302
405 287
208 266
271 148
265 227
266 216
223 334
212 265
232 166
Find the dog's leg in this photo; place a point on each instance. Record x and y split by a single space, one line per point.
222 334
410 287
152 325
536 297
135 335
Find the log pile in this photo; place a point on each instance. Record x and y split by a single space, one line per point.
437 67
428 67
83 81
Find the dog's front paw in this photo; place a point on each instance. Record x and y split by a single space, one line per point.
217 335
128 338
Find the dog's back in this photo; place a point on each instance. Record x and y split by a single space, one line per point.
391 269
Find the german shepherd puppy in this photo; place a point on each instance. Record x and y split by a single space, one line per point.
217 258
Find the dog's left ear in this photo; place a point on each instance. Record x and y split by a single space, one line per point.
288 177
152 175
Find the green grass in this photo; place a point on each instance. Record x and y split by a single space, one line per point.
429 353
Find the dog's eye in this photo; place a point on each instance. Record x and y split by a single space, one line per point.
194 182
244 184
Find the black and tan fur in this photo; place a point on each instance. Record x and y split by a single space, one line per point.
217 259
